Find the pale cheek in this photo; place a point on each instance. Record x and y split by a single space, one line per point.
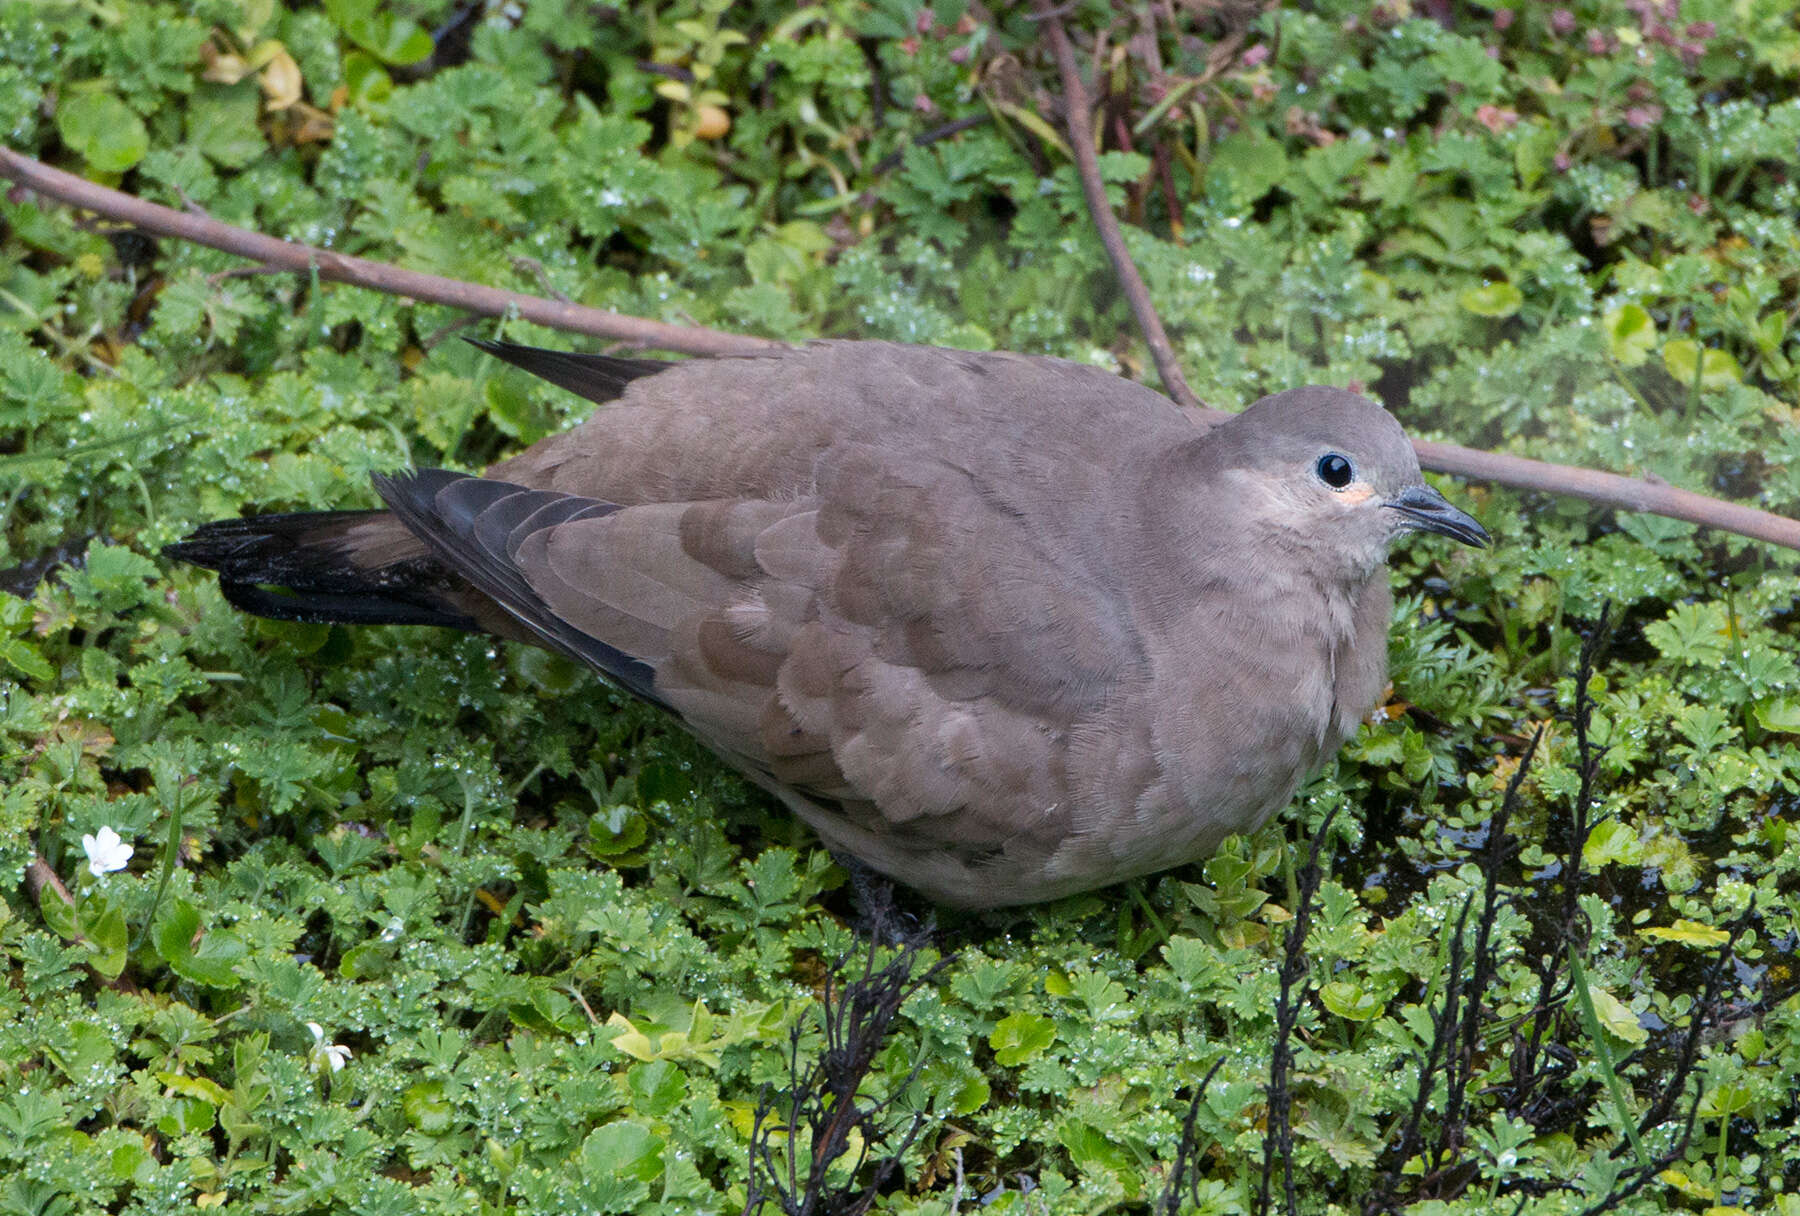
1356 495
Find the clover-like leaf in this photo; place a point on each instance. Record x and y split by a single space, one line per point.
104 130
622 1149
1630 334
1351 1001
1780 713
1687 360
1611 842
1019 1037
205 958
391 39
1500 299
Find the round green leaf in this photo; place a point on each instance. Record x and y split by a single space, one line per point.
365 79
187 1116
1350 1001
622 1149
1687 360
103 129
1630 334
1244 168
618 829
427 1109
1020 1036
1612 841
1780 714
1500 299
971 1095
1616 1018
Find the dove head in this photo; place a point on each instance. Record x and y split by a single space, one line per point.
1329 474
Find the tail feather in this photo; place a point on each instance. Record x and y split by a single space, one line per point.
596 377
368 567
326 567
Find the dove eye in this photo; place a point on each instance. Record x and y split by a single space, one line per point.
1334 470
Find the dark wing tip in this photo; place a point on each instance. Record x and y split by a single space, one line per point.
596 377
470 524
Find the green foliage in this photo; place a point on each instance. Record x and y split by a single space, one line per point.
552 951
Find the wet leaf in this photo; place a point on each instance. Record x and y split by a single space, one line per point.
104 130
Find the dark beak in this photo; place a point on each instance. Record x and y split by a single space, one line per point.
1429 511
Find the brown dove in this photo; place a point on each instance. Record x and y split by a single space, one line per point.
1002 627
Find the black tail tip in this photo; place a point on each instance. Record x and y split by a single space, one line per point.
220 545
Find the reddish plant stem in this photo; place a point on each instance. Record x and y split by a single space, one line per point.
1079 117
361 272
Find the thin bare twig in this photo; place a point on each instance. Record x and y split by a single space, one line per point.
1180 1179
360 272
1079 115
1515 472
1278 1136
1609 490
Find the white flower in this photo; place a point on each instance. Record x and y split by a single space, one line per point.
327 1055
106 852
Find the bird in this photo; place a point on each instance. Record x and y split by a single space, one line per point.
1001 627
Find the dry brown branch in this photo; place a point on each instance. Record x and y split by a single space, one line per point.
1078 114
1608 489
39 877
1515 472
360 272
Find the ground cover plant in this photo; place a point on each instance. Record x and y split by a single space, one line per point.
304 919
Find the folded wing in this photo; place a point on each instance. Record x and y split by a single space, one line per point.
899 648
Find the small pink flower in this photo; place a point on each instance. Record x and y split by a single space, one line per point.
1700 31
1598 43
1503 19
1496 119
1562 21
960 54
1639 117
1255 55
925 20
1562 162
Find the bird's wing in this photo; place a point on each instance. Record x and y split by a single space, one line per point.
898 645
959 649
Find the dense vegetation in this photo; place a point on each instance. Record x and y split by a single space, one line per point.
408 921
